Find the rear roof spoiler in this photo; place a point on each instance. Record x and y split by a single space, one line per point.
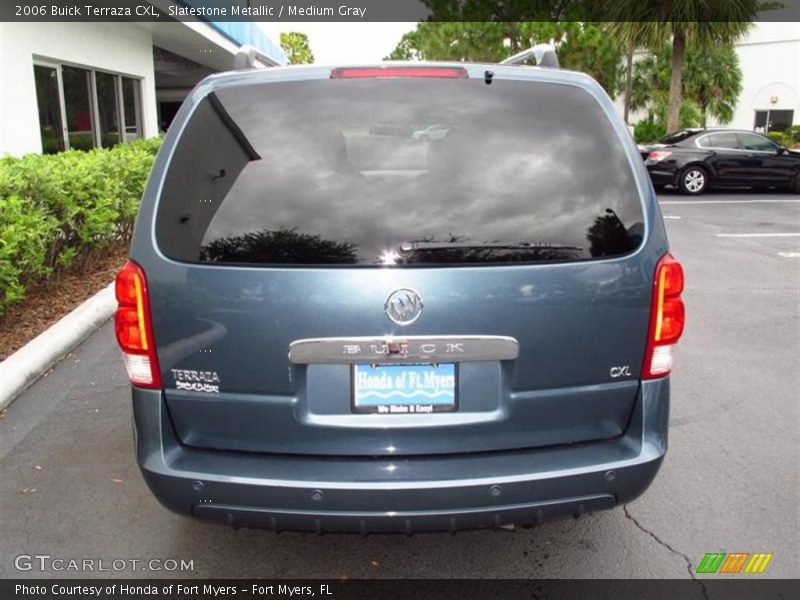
545 56
247 56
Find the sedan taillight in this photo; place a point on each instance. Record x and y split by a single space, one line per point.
658 155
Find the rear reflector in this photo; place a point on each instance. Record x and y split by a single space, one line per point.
133 327
667 318
384 72
139 369
661 361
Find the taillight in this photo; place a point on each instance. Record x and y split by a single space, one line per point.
383 72
658 155
133 327
667 317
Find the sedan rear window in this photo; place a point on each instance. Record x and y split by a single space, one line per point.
723 140
674 138
398 172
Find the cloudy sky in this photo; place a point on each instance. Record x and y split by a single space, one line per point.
336 43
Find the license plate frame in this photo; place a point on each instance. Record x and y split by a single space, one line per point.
409 398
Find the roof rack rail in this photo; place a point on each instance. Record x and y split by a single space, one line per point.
247 55
545 56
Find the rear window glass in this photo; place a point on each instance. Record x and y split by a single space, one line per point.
674 138
723 140
393 172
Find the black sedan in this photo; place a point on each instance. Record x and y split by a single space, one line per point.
694 160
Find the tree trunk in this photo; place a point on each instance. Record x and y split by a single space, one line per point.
628 83
676 82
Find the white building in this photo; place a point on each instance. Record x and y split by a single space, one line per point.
84 85
769 57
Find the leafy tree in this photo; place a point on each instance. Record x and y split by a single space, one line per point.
711 85
477 42
682 23
279 246
714 82
513 10
581 46
296 46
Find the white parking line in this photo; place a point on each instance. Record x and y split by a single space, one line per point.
672 217
759 201
789 254
743 235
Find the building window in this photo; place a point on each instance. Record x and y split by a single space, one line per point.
83 108
773 120
107 109
49 102
78 103
132 108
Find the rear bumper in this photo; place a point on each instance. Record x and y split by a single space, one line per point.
663 174
406 494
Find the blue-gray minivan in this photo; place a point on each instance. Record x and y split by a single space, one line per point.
335 323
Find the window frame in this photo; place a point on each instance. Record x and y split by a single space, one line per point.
137 106
61 102
119 98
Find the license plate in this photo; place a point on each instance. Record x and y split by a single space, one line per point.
404 389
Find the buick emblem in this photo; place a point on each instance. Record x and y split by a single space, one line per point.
403 306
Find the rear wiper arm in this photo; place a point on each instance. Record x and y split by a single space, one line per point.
408 248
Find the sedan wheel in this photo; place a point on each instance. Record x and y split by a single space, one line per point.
693 181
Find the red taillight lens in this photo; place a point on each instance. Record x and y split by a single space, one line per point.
129 330
383 72
658 155
667 318
133 327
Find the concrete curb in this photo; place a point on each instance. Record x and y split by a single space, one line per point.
31 361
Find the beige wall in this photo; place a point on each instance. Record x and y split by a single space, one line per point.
770 61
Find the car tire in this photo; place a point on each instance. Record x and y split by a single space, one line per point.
693 181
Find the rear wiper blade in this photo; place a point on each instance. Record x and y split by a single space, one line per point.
408 248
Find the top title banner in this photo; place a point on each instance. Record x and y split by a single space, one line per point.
346 10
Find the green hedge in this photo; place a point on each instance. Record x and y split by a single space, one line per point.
647 131
60 211
789 138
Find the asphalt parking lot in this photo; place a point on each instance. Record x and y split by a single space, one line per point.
731 480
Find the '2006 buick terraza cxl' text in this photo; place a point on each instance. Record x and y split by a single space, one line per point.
332 324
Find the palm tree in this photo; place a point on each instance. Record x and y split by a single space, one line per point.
712 82
651 23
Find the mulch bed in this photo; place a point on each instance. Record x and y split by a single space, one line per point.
48 302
